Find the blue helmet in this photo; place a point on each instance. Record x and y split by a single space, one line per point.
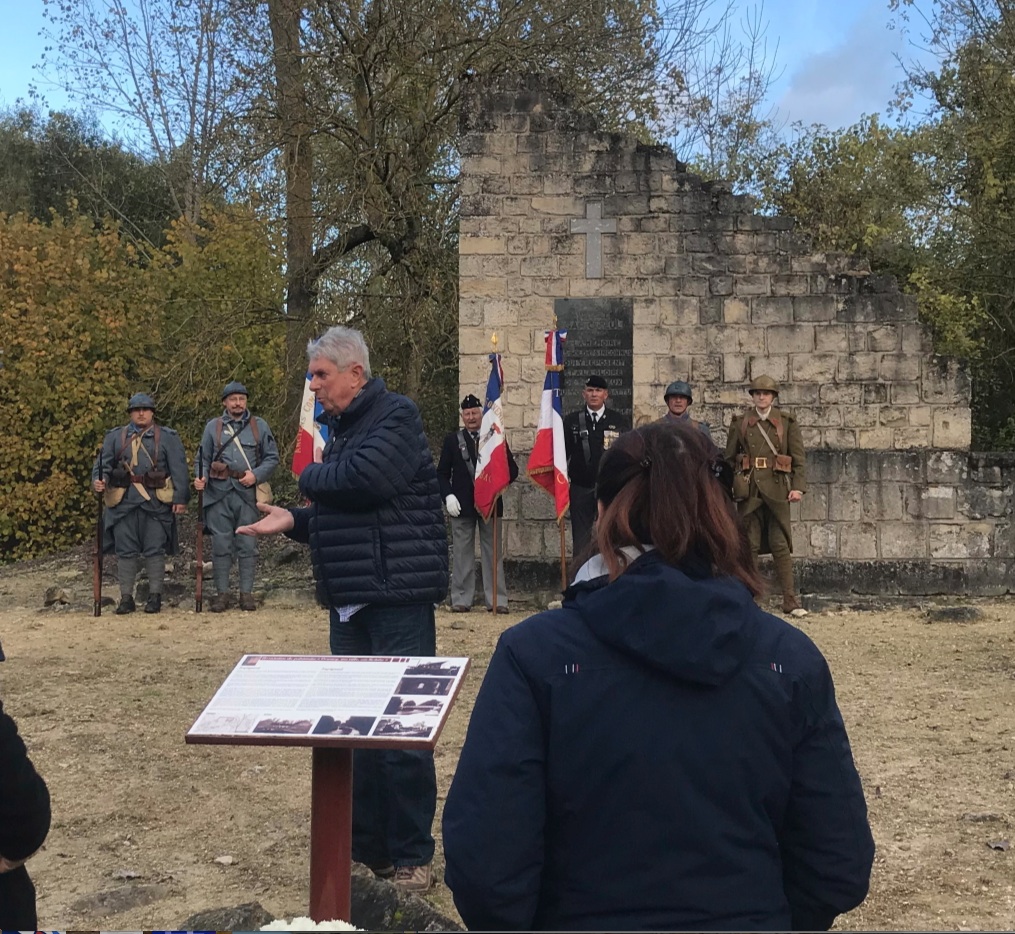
679 388
234 387
141 400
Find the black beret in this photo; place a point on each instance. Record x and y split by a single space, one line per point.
596 382
471 402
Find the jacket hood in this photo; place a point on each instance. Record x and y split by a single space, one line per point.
681 621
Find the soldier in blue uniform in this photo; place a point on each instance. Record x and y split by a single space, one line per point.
678 400
238 454
141 473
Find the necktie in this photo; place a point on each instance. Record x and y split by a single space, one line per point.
595 419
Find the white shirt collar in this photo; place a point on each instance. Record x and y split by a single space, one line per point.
597 412
596 566
763 415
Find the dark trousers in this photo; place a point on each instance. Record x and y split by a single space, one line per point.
583 515
394 791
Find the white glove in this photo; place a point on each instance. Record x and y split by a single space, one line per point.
453 506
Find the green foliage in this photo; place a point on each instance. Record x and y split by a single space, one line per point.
72 300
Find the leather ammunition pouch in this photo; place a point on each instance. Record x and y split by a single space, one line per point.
783 463
119 477
219 470
159 481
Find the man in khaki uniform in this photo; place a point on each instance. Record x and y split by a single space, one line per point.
766 451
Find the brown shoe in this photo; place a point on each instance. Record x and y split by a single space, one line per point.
219 603
792 606
460 608
384 871
501 610
247 601
413 878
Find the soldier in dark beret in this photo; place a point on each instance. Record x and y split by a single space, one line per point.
456 472
766 452
141 473
587 433
238 454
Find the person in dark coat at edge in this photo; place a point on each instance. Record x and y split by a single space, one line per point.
24 823
659 753
380 556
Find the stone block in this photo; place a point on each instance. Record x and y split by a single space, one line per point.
894 416
710 310
812 439
651 265
858 541
680 312
953 428
790 285
959 541
795 393
708 264
484 287
751 285
978 502
946 467
920 416
813 263
470 312
814 368
814 505
723 339
831 338
767 309
720 285
885 338
736 311
857 337
788 338
678 265
824 467
1003 542
652 340
840 394
474 245
814 308
539 266
877 439
499 266
842 439
858 308
817 416
900 367
858 366
902 540
824 540
903 466
875 393
905 393
930 502
734 368
861 466
862 416
775 366
499 313
771 264
912 437
845 502
945 381
916 338
883 501
707 369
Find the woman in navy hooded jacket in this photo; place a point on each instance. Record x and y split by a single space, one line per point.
659 753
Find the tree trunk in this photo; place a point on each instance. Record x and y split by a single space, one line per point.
290 96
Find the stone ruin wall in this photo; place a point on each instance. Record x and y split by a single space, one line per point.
896 502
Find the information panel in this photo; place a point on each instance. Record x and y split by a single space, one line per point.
316 700
600 341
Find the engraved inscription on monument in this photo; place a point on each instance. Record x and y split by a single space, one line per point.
600 340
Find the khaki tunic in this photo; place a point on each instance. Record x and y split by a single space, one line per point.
768 488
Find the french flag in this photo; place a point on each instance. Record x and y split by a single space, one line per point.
312 433
548 461
492 474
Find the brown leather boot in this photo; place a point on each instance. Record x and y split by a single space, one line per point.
219 603
784 572
247 601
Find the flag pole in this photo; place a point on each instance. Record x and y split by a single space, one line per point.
563 557
493 518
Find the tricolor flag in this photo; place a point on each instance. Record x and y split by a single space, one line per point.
312 433
492 473
548 462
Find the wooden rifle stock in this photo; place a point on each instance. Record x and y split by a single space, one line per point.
97 558
199 547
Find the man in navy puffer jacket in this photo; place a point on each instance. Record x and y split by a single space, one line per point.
380 556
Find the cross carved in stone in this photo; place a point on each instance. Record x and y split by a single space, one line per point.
594 225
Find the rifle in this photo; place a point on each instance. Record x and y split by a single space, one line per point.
97 560
199 547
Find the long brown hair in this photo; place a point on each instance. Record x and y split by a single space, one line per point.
666 485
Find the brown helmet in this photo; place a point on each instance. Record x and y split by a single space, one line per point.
763 384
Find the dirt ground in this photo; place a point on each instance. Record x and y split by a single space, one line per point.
140 818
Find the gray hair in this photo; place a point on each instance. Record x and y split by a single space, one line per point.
343 347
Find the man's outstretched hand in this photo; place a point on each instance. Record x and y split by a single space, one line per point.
276 519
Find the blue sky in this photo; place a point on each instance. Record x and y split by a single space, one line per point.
835 57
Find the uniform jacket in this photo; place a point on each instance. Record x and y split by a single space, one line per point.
374 523
768 488
581 472
24 823
455 472
686 417
263 457
659 754
169 456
